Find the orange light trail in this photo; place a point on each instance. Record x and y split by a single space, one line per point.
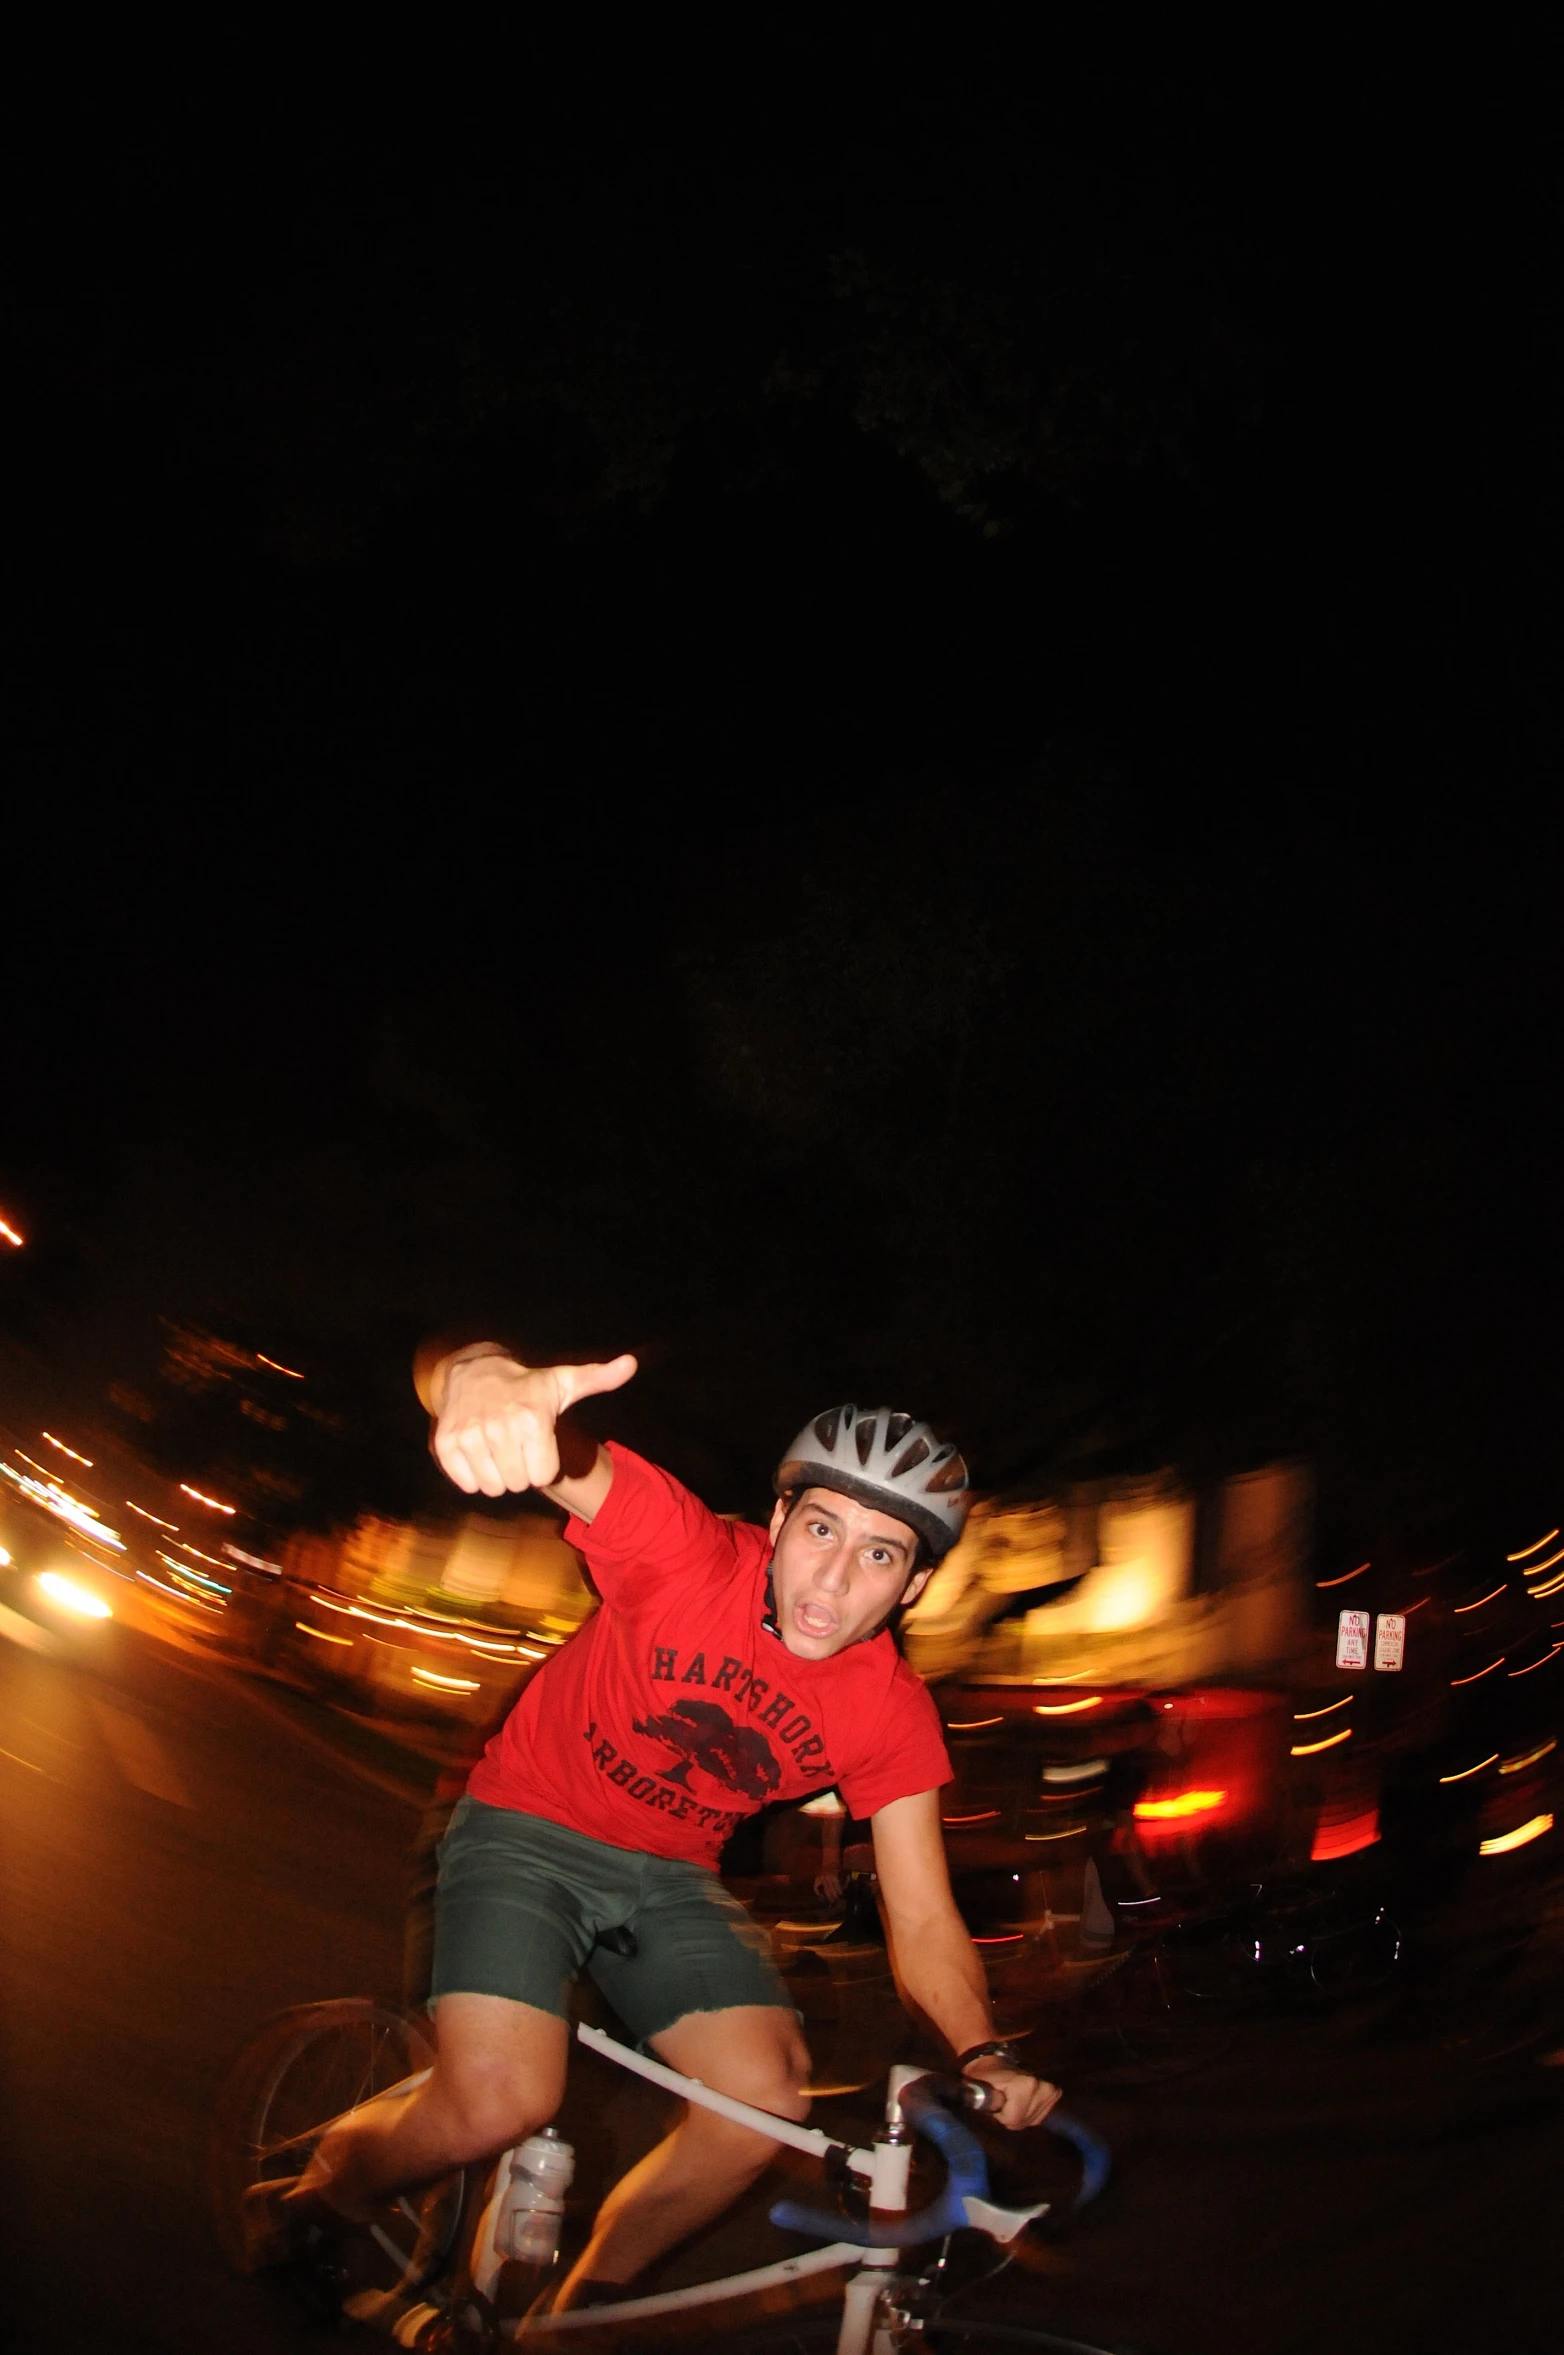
75 1457
1535 1569
319 1633
292 1372
202 1498
989 1815
1487 1598
1537 1593
1542 1663
1514 1765
970 1725
8 1234
1533 1549
1066 1708
157 1517
1308 1749
1187 1803
1477 1672
1322 1583
1532 1829
1470 1770
1300 1716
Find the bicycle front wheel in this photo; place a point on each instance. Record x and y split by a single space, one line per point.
305 2069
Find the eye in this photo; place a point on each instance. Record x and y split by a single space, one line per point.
820 1529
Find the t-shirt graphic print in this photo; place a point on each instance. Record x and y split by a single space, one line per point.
674 1713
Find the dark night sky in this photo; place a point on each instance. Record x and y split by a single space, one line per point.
884 727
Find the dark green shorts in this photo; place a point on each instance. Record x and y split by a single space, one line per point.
523 1905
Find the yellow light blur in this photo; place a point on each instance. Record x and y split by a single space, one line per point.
1469 1770
58 1501
1187 1803
453 1634
201 1498
1514 1765
1533 1549
1487 1598
71 1595
1552 1588
1308 1749
447 1684
320 1635
1302 1716
8 1234
5 1559
1533 1829
1535 1569
970 1725
154 1517
1066 1708
292 1372
1322 1583
75 1457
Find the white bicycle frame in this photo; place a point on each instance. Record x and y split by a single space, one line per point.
884 2167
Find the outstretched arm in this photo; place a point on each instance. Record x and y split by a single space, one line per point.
935 1958
497 1427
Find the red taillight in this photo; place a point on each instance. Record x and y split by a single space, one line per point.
1345 1838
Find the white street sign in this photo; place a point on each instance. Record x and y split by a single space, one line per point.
1390 1640
1352 1639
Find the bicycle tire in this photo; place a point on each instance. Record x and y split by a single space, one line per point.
304 2069
1150 2021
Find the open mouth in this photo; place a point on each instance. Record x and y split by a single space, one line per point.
812 1621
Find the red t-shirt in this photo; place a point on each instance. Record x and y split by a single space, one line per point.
672 1714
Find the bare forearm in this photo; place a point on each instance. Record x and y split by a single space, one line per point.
939 1968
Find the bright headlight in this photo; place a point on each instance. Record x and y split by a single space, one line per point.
71 1595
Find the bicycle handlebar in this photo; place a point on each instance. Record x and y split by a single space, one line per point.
966 2185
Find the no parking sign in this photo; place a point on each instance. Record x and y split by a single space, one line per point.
1352 1639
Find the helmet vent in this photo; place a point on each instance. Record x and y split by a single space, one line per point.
952 1473
826 1426
863 1436
896 1430
910 1457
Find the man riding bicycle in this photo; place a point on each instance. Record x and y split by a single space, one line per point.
728 1666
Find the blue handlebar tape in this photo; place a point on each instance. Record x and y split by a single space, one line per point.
968 2174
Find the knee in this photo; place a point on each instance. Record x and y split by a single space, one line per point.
773 2079
486 2111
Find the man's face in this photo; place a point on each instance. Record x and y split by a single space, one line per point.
838 1569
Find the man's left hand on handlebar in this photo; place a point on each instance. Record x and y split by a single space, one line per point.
1025 2101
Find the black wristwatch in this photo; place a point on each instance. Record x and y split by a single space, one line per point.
999 2048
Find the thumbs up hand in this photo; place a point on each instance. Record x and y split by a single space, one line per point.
496 1425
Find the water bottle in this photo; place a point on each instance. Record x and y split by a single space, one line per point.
517 2251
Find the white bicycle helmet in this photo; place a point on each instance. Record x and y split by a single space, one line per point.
891 1462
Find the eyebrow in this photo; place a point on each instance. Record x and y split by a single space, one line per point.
905 1545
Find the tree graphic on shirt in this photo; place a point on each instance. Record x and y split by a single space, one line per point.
706 1736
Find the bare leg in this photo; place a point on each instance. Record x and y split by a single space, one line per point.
755 2053
499 2074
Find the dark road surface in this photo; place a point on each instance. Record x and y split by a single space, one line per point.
177 1864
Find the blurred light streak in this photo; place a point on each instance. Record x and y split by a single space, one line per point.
1542 1663
1470 1770
183 1570
1308 1749
1010 1938
1322 1583
1088 1770
236 1553
157 1517
1345 1839
1487 1598
1514 1765
1538 1592
1535 1569
201 1498
1533 1549
58 1501
71 1596
436 1635
320 1635
292 1372
5 1559
539 1636
1066 1708
1299 1716
1522 1835
447 1684
970 1725
8 1234
1186 1803
186 1547
988 1815
66 1451
177 1594
1073 1833
1477 1672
